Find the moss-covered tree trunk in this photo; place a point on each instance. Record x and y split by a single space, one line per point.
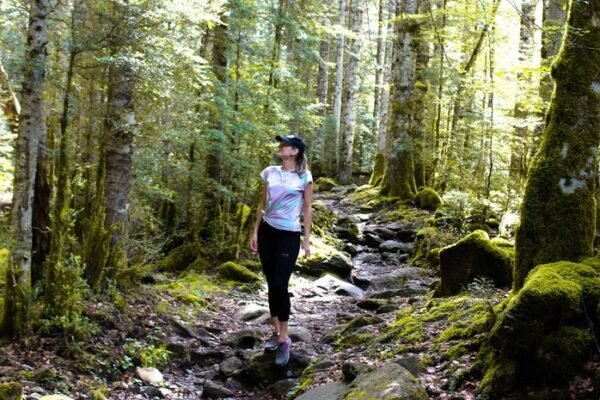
31 127
399 177
559 208
351 86
339 86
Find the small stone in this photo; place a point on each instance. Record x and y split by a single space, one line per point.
250 311
229 365
299 334
214 390
150 376
151 391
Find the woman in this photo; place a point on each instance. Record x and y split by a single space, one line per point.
276 235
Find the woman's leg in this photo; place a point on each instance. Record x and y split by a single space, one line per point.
288 248
267 248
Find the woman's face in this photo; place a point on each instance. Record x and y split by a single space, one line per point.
286 151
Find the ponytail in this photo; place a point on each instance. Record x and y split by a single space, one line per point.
301 163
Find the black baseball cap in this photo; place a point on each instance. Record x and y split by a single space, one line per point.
293 141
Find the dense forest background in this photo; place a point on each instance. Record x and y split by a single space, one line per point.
131 129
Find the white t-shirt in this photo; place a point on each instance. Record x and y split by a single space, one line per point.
285 197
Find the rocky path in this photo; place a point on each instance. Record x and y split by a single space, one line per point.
341 328
331 321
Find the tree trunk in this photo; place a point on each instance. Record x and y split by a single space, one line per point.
9 101
119 125
520 144
379 167
31 127
554 17
399 178
352 82
317 148
558 210
339 87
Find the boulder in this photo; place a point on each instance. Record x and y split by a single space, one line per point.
299 334
347 228
237 272
244 339
250 312
542 338
396 280
428 199
215 391
340 287
335 262
389 382
229 365
325 184
150 376
329 391
261 371
393 246
473 256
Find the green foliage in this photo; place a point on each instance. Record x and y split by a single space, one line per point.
137 353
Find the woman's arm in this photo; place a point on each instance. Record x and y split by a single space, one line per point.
307 211
261 207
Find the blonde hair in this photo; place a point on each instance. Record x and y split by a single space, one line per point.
301 163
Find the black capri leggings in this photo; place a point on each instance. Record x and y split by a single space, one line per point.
278 251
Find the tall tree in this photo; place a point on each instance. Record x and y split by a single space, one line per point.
339 84
558 210
399 178
523 104
351 85
31 127
554 17
384 95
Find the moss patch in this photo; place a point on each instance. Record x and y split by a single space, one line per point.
4 253
428 199
473 256
237 272
541 337
11 391
178 258
325 184
192 288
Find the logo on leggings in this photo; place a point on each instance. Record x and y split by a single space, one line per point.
285 255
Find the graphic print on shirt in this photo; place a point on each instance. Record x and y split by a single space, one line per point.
285 197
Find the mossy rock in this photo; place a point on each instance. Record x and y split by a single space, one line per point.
11 391
541 337
237 272
389 382
428 199
325 184
473 256
323 219
200 264
178 258
320 263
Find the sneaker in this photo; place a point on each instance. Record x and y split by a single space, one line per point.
282 355
272 344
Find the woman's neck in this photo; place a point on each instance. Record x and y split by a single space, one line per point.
289 165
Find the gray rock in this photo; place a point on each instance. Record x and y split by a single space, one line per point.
229 365
412 364
245 339
396 280
250 311
390 382
352 369
299 334
394 246
385 233
215 390
151 392
338 286
206 357
261 371
371 239
337 262
329 391
281 387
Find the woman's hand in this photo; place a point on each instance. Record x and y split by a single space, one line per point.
306 248
254 243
